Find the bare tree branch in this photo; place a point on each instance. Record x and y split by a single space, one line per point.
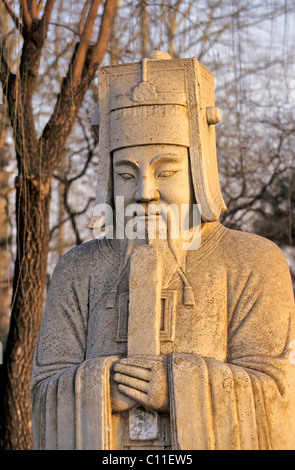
104 34
33 9
32 52
71 216
82 20
39 8
85 41
65 26
46 16
25 14
11 13
5 71
68 102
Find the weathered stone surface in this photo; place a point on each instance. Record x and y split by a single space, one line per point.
143 424
145 284
148 343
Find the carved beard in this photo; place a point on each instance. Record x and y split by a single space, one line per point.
173 254
173 262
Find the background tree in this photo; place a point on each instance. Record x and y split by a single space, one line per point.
37 158
6 162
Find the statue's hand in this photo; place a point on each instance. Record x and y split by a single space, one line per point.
120 402
144 379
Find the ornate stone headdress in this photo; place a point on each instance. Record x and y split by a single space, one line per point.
160 101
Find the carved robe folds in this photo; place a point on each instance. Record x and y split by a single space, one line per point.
228 356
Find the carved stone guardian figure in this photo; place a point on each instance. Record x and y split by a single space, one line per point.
178 338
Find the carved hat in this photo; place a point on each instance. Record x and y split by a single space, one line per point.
160 101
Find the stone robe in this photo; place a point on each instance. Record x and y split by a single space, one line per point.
230 378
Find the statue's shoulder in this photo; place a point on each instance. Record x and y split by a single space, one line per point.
252 248
87 256
79 254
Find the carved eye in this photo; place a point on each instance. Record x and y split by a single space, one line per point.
126 176
166 174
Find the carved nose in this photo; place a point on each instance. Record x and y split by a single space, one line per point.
145 192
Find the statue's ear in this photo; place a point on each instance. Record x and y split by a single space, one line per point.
95 123
213 115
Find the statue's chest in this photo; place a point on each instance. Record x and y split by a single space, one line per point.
193 330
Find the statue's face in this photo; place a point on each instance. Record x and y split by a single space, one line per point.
153 174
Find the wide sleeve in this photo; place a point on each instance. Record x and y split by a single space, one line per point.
242 403
69 395
71 410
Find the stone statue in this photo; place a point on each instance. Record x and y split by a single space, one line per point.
164 342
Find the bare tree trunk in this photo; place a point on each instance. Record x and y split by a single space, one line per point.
37 159
32 207
4 233
5 288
